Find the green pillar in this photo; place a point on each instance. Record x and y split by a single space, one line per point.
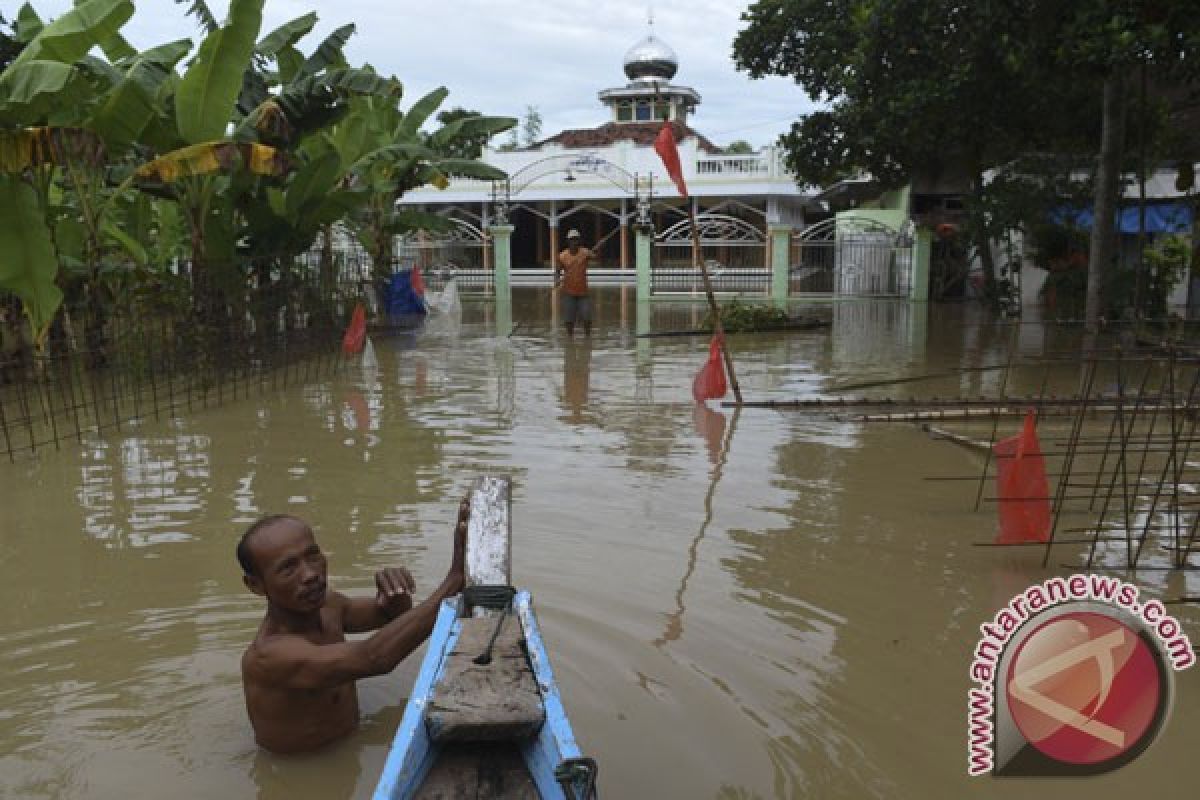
502 249
781 244
645 240
922 252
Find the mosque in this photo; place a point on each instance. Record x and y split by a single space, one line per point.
604 180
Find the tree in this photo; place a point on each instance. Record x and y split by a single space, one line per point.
913 87
468 147
528 134
739 147
918 87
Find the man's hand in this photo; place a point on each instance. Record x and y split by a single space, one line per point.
395 590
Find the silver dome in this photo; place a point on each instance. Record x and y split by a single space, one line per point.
651 59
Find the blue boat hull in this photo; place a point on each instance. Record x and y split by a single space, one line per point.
413 754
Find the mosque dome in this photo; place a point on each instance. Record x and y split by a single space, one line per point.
651 59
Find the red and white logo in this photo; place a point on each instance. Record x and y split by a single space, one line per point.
1084 688
1073 677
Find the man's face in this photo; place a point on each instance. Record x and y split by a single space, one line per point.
573 244
291 567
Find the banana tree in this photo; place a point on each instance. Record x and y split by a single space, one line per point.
43 92
389 155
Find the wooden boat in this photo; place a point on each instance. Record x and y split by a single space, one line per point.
485 718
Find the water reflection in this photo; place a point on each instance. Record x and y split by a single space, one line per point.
577 375
760 605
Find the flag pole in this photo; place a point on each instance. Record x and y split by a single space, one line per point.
718 329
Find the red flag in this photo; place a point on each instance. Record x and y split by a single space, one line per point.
1022 488
356 331
664 145
709 383
417 282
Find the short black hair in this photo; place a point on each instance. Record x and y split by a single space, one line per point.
243 546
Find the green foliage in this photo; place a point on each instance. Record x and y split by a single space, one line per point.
68 38
206 96
739 147
28 265
737 317
1166 263
85 119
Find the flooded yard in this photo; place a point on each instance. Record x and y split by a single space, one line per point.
755 604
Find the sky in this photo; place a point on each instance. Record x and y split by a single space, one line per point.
500 56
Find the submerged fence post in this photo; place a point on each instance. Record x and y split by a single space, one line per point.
502 240
781 246
641 260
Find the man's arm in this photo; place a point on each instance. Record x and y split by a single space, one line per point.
394 593
292 662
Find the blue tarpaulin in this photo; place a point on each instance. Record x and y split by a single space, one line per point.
1160 218
399 298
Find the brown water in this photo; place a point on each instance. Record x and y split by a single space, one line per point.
793 620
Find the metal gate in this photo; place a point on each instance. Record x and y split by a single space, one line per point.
462 253
850 255
734 250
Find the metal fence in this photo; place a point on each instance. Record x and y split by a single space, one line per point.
464 254
851 256
149 367
733 250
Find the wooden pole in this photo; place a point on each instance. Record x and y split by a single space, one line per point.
718 329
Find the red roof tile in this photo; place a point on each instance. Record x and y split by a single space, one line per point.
640 133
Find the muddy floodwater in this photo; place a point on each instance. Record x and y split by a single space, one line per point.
761 605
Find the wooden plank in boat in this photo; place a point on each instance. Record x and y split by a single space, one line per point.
489 535
498 701
470 771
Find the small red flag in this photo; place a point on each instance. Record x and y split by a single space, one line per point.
709 383
664 145
1022 488
417 282
356 331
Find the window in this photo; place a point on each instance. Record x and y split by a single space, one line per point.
663 111
643 111
624 111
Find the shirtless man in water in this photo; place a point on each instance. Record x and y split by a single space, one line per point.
299 673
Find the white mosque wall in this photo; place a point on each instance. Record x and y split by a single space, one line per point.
707 175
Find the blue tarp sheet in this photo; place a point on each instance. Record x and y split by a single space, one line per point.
1160 218
399 298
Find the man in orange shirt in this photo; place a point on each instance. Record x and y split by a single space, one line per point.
570 270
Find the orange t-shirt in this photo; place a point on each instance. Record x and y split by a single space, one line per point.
574 267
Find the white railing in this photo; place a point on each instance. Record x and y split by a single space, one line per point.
733 165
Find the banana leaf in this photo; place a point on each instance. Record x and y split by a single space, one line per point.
312 183
30 91
28 25
470 127
69 38
28 265
35 147
213 157
206 96
286 35
329 52
420 112
290 62
203 14
133 104
317 101
469 168
130 245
